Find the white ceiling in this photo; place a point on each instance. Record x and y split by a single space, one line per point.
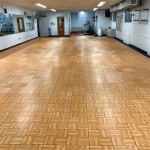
62 4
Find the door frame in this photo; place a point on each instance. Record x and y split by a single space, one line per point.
59 33
19 29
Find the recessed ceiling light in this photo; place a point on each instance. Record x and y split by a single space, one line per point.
40 5
95 9
101 4
53 10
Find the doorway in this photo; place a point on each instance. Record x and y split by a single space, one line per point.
20 22
38 27
60 24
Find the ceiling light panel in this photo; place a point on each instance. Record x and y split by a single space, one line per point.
101 4
40 5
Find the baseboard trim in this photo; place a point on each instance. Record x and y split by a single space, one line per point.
134 48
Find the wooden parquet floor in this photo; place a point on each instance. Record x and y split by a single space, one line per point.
77 93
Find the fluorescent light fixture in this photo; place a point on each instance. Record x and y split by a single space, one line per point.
82 12
95 9
53 10
101 4
40 5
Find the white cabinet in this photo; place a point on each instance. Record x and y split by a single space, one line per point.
111 32
99 33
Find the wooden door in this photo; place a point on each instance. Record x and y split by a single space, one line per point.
20 22
60 24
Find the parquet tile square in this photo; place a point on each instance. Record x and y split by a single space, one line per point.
122 137
61 138
142 138
16 140
99 137
117 123
76 93
72 138
61 141
50 139
97 123
31 139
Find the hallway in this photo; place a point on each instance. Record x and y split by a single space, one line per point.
74 93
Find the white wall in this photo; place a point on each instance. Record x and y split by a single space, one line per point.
45 23
14 39
74 19
15 10
102 22
135 33
75 25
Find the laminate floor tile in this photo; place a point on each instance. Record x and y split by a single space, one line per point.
74 93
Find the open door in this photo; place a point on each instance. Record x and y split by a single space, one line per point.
20 22
60 24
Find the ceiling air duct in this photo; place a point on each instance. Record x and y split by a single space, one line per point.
125 5
40 15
